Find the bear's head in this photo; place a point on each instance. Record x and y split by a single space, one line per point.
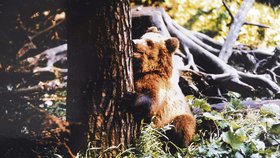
152 53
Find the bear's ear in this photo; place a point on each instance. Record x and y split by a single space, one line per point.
172 44
153 29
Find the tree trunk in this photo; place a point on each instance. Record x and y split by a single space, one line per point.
99 73
235 27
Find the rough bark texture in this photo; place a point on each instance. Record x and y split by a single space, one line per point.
99 73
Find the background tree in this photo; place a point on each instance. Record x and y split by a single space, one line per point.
99 73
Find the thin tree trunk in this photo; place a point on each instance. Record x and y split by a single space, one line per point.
235 27
99 73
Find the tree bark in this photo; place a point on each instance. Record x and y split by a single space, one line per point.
99 73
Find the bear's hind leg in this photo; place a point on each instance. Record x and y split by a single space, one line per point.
184 130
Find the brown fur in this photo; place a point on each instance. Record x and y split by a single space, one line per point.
152 66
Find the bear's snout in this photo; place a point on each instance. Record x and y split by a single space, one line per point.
136 60
136 54
136 44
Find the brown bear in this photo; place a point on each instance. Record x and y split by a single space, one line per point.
156 85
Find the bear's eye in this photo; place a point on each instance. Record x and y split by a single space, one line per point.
150 42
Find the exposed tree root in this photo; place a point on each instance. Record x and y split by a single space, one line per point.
43 72
48 61
203 58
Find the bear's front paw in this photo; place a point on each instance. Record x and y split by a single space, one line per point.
128 101
142 105
137 104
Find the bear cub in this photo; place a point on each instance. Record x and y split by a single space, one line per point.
158 93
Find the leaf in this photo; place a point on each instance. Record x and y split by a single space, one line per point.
238 155
223 124
236 103
234 125
256 156
275 129
259 144
189 97
212 117
270 109
267 123
201 104
241 134
234 140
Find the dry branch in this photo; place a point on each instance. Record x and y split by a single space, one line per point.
46 61
44 72
42 87
30 45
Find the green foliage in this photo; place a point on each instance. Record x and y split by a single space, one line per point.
149 143
211 17
234 132
238 132
199 103
55 104
152 142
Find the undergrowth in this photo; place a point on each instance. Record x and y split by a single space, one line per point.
234 132
237 132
